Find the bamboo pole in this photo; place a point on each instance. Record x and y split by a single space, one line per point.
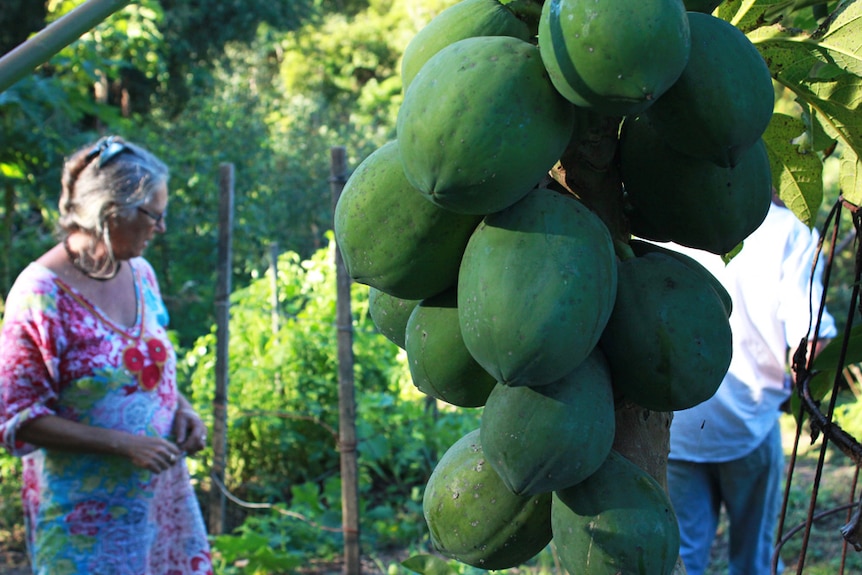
273 284
222 303
346 397
39 48
274 313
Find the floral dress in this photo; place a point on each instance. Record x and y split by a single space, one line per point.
88 513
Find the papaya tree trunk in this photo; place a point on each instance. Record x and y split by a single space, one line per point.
589 170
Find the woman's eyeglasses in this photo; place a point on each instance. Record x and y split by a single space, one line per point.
106 150
157 218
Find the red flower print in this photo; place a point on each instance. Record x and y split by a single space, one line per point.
87 518
202 564
150 377
133 359
156 350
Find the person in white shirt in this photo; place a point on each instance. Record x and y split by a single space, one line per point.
728 450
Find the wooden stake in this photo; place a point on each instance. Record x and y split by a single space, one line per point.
346 397
222 303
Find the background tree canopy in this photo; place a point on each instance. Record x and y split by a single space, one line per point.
267 86
270 87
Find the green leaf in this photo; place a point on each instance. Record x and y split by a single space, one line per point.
839 37
850 177
797 173
12 171
732 253
827 359
816 137
275 561
826 367
797 62
428 565
233 547
749 15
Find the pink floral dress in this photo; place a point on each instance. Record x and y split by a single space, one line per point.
94 514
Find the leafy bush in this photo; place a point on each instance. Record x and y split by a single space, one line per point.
283 419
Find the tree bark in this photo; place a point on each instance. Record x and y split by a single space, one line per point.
589 170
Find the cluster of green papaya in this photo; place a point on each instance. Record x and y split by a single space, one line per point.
509 292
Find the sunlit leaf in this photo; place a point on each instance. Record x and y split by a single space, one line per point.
732 253
428 565
839 37
817 138
850 177
748 15
12 171
797 174
795 61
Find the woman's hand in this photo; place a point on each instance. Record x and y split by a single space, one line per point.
152 453
190 431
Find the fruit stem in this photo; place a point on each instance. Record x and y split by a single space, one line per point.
528 11
623 250
588 169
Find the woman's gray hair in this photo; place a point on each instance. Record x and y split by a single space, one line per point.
109 178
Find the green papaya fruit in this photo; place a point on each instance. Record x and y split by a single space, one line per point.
540 439
693 202
474 518
705 6
391 237
615 57
640 247
668 340
440 364
390 314
617 521
535 288
481 124
466 19
723 101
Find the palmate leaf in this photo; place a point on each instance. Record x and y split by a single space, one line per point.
797 171
811 70
840 36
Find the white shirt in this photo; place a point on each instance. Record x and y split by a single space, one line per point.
768 282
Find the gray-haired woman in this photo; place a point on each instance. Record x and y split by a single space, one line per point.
88 394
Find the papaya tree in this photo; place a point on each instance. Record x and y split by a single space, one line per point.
571 130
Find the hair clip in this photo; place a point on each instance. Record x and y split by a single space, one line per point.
106 149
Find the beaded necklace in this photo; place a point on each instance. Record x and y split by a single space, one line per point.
146 362
76 263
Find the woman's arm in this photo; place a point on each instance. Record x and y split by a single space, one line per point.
54 432
190 431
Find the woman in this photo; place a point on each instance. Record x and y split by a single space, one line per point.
88 383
